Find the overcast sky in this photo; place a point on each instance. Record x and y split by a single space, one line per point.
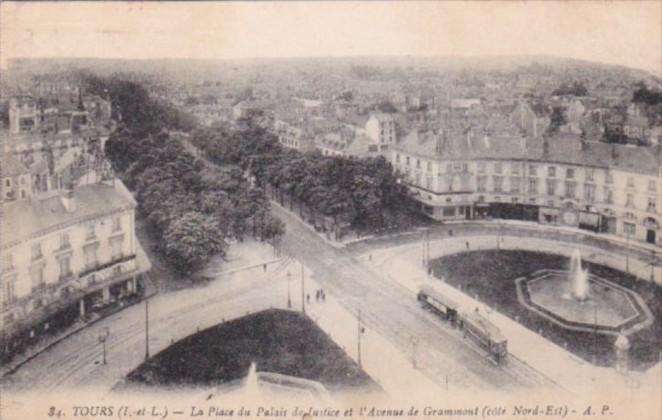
628 33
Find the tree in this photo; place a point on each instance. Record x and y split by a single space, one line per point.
192 240
557 120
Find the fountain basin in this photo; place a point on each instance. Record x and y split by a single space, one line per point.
608 308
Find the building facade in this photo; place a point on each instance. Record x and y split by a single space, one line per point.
67 235
564 181
381 129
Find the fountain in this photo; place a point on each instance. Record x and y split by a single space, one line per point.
578 277
250 386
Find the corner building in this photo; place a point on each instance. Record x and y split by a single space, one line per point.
561 181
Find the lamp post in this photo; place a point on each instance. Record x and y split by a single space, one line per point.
102 339
627 250
289 297
360 332
303 293
146 329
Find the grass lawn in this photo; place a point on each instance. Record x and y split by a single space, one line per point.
490 276
277 341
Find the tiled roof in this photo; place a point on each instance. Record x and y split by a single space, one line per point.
565 148
24 218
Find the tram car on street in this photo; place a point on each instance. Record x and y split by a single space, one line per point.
480 330
438 303
473 324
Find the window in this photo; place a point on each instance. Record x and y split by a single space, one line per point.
589 174
609 196
498 184
651 186
533 171
570 173
65 266
7 182
498 168
117 224
418 164
481 167
36 251
407 160
570 189
651 207
8 289
629 229
429 166
481 183
428 182
514 169
551 187
515 184
609 178
397 158
89 232
589 192
116 247
629 200
37 277
90 257
630 182
551 171
533 185
448 211
64 241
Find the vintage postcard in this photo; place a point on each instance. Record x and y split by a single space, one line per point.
331 210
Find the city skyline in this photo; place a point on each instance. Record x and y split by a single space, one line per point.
588 31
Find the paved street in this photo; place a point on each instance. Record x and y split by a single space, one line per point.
555 362
76 361
392 310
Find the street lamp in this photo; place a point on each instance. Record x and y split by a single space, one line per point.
627 250
146 329
360 332
303 293
102 340
289 298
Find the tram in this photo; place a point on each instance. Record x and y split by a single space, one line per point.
474 325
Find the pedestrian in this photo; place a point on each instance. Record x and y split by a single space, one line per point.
450 232
467 244
317 295
323 295
308 297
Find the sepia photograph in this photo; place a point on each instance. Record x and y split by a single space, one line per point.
322 210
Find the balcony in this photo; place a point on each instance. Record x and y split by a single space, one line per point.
121 259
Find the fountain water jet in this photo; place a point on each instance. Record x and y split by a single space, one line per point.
250 386
578 277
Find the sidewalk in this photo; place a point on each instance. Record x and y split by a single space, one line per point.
551 360
244 258
386 365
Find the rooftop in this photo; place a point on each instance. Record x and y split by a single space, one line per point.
565 148
37 216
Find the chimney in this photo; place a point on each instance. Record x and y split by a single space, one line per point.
68 201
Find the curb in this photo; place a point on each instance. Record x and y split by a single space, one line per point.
11 370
